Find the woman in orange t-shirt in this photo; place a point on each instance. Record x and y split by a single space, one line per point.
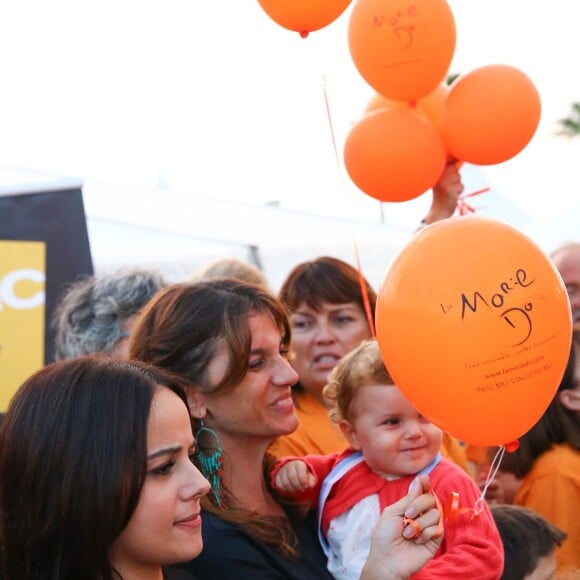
548 462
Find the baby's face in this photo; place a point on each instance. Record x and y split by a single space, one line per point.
393 437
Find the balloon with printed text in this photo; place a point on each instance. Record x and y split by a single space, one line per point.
474 325
304 16
402 48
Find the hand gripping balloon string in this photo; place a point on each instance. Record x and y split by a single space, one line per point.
465 208
411 522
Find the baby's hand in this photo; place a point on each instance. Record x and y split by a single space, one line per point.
294 476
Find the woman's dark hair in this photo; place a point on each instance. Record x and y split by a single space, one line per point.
325 279
557 425
73 459
180 330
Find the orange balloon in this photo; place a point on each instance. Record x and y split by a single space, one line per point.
402 48
474 324
304 16
394 155
490 114
431 105
379 103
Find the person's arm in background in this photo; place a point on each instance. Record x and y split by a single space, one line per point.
446 192
394 557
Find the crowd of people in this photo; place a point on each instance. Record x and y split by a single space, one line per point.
213 428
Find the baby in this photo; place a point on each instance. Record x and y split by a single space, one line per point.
390 443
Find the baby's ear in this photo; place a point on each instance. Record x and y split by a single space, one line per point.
349 432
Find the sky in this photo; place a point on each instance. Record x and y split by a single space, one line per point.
212 98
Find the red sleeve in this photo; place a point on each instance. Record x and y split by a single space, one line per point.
319 465
471 547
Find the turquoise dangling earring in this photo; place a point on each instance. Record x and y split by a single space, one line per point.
211 460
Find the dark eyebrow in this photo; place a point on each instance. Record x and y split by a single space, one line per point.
300 312
164 451
349 306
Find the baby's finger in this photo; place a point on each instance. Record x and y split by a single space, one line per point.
281 480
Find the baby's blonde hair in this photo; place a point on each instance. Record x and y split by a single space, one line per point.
362 366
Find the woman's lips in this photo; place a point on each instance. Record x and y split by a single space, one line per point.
192 521
283 404
325 361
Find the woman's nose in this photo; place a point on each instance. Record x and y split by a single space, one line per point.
324 332
197 485
285 374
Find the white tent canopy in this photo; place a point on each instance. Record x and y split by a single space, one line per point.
176 232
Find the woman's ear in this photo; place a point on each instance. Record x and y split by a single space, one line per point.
570 399
349 433
196 401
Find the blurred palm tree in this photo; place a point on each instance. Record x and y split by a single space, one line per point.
451 77
570 126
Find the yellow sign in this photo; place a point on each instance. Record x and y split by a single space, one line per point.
22 299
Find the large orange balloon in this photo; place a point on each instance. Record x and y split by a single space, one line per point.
394 155
304 16
402 48
490 114
431 105
474 324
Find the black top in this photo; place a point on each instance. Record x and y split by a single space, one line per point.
170 573
230 553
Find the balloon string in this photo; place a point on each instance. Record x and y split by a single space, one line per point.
451 510
363 286
465 208
493 469
365 294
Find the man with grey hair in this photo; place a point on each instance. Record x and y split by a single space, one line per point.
567 259
96 314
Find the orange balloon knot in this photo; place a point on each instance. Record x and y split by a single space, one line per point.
413 104
415 526
512 446
303 33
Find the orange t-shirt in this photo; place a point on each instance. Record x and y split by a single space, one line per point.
316 433
552 489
